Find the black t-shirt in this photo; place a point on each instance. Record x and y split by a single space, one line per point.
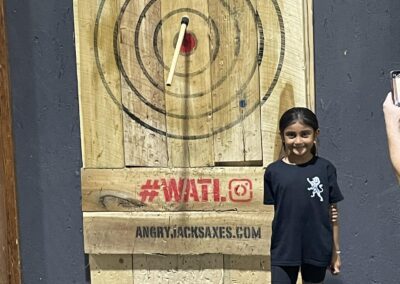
301 195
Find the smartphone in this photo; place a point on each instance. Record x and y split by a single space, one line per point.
395 78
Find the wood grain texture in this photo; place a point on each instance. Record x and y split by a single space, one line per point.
110 269
177 233
207 268
309 51
294 85
192 111
9 235
100 113
142 147
235 77
247 269
205 189
157 268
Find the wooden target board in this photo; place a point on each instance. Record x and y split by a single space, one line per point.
178 170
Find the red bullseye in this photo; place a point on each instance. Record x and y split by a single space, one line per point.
189 44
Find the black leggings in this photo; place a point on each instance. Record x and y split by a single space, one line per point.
288 274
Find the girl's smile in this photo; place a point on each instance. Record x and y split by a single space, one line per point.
298 140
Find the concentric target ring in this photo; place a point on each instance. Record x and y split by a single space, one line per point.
208 21
160 85
172 135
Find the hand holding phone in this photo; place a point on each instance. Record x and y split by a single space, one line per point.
395 78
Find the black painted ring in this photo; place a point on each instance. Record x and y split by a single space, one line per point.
157 51
188 137
160 86
217 84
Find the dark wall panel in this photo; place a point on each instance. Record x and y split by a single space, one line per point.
47 142
357 43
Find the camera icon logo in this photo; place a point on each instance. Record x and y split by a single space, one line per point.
240 190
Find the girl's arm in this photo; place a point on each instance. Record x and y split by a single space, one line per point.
392 121
335 262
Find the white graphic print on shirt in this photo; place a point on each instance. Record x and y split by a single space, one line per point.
316 187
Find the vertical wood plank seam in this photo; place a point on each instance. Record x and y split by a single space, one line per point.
78 60
309 62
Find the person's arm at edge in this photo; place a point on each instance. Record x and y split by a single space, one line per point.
392 121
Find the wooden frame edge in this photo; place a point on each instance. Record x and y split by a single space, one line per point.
10 267
309 47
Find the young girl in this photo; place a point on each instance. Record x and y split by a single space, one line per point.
304 191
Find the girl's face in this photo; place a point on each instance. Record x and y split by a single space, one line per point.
299 140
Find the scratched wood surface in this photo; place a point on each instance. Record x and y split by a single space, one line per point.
112 268
194 120
100 114
177 233
251 109
294 85
246 269
163 189
142 147
235 77
228 108
207 268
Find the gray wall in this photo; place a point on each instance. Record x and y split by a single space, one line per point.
356 43
47 142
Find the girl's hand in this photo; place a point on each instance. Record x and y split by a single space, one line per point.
335 264
334 214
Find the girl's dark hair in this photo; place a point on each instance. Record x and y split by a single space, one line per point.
300 114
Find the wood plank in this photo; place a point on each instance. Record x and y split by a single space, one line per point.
206 268
247 269
235 77
143 147
111 269
286 44
229 144
179 189
252 120
294 71
9 235
100 110
189 122
177 233
309 49
194 269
